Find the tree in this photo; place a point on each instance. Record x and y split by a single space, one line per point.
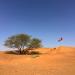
35 43
19 41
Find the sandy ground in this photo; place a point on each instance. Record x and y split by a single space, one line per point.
59 61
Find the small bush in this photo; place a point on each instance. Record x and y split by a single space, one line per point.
34 52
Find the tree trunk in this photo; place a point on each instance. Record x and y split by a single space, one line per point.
20 51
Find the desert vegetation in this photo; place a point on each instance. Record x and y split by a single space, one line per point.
24 43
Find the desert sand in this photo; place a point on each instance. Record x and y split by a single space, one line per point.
52 61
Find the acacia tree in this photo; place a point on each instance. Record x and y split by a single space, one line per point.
35 43
19 41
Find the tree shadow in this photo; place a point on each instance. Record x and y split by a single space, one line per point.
16 52
12 52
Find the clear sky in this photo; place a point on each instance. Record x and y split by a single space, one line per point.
44 19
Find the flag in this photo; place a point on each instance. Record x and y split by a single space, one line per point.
60 39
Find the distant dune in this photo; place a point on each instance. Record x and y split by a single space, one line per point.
52 61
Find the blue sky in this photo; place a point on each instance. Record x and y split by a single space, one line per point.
47 20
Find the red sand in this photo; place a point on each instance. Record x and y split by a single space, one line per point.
59 61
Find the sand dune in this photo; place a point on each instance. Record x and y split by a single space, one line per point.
52 61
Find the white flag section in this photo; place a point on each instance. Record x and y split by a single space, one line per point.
60 39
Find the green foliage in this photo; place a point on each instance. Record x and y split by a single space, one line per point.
35 43
23 43
19 41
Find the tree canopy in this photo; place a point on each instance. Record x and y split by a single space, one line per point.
35 43
22 41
